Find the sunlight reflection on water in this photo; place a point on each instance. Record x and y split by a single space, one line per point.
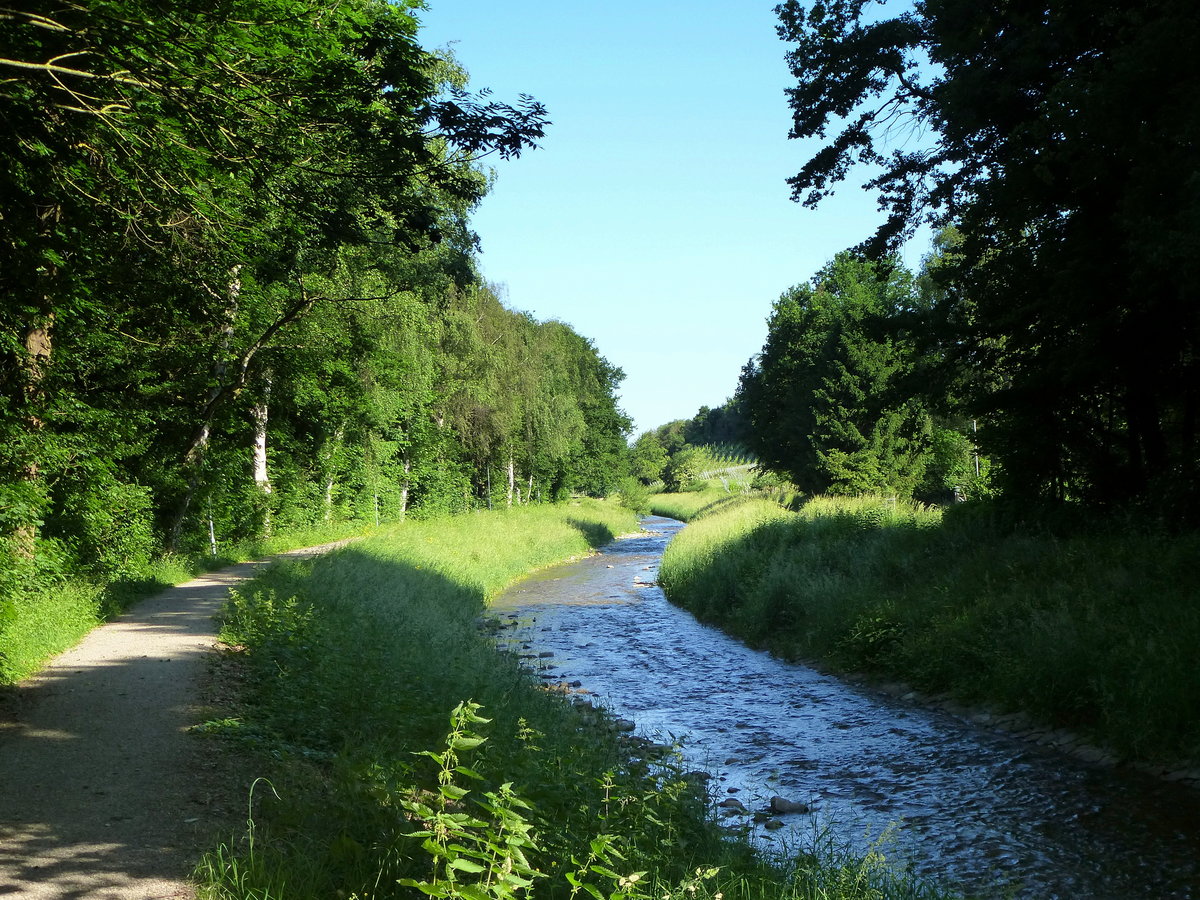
975 808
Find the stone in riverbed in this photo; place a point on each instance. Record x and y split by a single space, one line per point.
783 806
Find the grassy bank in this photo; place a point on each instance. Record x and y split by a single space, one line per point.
44 610
694 504
349 668
1091 630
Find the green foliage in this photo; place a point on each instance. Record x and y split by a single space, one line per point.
473 858
955 470
1087 629
1054 141
823 397
351 662
647 458
635 496
725 425
111 525
681 470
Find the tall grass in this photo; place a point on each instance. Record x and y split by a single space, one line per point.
352 664
687 506
1095 631
44 610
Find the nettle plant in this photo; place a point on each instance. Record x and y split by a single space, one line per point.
482 851
473 857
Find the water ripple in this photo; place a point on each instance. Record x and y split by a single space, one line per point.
980 810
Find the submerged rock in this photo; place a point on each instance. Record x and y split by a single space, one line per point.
783 806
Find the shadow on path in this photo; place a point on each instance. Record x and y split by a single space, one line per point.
99 791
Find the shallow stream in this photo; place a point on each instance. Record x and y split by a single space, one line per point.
974 809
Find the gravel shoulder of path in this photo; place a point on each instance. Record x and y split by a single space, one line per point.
103 793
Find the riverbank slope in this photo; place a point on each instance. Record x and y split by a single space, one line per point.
349 670
1089 630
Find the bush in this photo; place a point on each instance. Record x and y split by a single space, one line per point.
635 496
681 470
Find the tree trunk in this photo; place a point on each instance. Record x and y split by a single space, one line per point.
38 349
327 461
1149 455
404 486
512 479
262 481
193 456
32 365
227 385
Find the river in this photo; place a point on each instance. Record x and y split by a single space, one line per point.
976 810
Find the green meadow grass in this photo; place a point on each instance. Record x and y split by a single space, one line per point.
352 665
44 611
1094 630
693 504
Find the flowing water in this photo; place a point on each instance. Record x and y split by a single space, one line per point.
984 812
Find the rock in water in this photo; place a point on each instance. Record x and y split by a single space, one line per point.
783 806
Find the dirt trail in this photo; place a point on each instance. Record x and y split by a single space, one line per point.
103 794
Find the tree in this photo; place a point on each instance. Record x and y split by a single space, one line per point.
681 469
822 396
647 458
173 178
1060 141
671 435
726 424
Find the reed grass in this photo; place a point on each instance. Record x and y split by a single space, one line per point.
1094 630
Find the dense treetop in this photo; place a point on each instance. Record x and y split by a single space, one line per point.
239 289
1060 140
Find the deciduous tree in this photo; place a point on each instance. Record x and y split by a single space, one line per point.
1061 139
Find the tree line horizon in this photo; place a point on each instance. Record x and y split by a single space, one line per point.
240 287
1046 350
241 293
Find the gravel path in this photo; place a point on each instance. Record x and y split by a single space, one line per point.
103 794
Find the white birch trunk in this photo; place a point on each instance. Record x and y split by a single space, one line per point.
262 480
327 460
199 443
512 480
404 486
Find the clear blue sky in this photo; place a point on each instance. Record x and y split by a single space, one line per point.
655 219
